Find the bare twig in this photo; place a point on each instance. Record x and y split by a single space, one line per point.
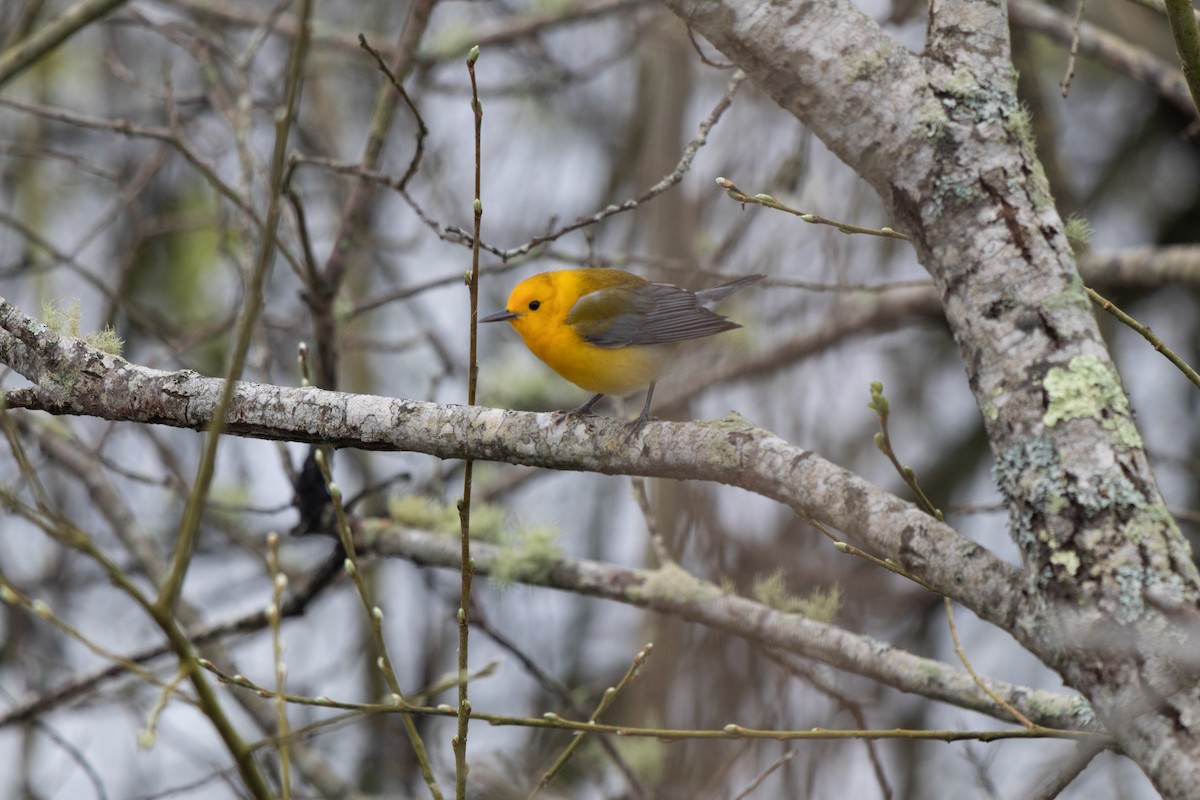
467 571
1065 86
1188 371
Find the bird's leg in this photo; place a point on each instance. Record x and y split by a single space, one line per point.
645 415
636 424
586 408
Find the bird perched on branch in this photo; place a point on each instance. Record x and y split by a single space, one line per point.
608 331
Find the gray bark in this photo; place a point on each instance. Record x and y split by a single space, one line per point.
1110 593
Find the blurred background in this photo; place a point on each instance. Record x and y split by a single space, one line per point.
133 168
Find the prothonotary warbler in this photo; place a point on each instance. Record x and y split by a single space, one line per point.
608 331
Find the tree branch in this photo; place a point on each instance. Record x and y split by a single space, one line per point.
671 590
73 378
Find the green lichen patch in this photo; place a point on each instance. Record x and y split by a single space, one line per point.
64 320
984 103
1151 521
733 421
426 513
931 119
672 582
1079 234
526 557
1088 388
820 605
1039 490
1067 559
1019 125
1073 297
867 65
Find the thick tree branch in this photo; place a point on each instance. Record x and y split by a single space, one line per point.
73 378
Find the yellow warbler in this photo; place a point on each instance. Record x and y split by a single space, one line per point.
608 331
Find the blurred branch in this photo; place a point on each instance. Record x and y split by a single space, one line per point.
870 310
166 135
858 315
1142 267
1182 16
508 30
324 284
189 526
296 604
1107 48
66 24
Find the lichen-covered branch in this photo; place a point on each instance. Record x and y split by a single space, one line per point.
74 378
671 590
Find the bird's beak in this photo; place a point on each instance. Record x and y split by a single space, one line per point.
501 316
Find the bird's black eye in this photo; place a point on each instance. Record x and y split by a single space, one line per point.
534 305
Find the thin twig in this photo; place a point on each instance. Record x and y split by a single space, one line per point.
732 732
415 163
1065 86
767 201
375 624
962 656
456 235
278 584
467 571
610 694
1148 335
656 540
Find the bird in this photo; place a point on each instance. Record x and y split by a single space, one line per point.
609 331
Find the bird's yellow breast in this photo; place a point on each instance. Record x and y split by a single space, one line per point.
606 370
615 371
